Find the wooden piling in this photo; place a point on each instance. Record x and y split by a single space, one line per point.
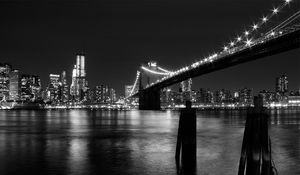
256 148
186 148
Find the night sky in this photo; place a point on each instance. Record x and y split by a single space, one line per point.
42 37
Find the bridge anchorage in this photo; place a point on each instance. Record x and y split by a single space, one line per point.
261 40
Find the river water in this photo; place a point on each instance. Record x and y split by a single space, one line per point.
84 142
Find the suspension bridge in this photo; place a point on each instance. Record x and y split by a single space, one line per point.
259 41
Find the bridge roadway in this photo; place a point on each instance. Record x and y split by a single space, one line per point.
148 96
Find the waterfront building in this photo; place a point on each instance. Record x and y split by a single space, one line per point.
102 94
185 89
36 87
294 100
165 97
79 85
205 96
220 96
281 84
14 85
5 70
200 97
64 87
209 97
267 96
245 96
193 96
54 88
113 95
30 87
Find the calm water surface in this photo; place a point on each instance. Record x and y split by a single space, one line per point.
83 142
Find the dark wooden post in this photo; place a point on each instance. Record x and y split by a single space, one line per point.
256 148
186 148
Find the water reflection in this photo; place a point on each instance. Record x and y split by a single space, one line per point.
133 142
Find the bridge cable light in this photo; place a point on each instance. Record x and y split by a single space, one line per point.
287 1
255 26
275 10
154 72
246 33
264 19
135 83
164 70
247 41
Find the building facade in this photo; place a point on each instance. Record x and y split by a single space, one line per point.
78 88
5 70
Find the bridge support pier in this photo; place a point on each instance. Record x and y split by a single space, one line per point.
256 149
149 100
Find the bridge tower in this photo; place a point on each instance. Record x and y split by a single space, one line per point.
149 99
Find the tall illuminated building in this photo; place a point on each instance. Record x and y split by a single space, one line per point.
246 96
35 87
14 85
30 87
4 81
79 87
282 84
64 87
102 94
113 95
25 87
186 90
54 88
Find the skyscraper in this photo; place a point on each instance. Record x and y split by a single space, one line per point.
35 87
4 81
29 83
281 84
186 89
14 85
113 95
54 88
245 96
64 87
79 84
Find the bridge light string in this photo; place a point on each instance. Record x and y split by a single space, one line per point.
239 43
135 83
258 25
285 23
154 72
164 70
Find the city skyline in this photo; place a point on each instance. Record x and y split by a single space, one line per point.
17 85
181 87
170 33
